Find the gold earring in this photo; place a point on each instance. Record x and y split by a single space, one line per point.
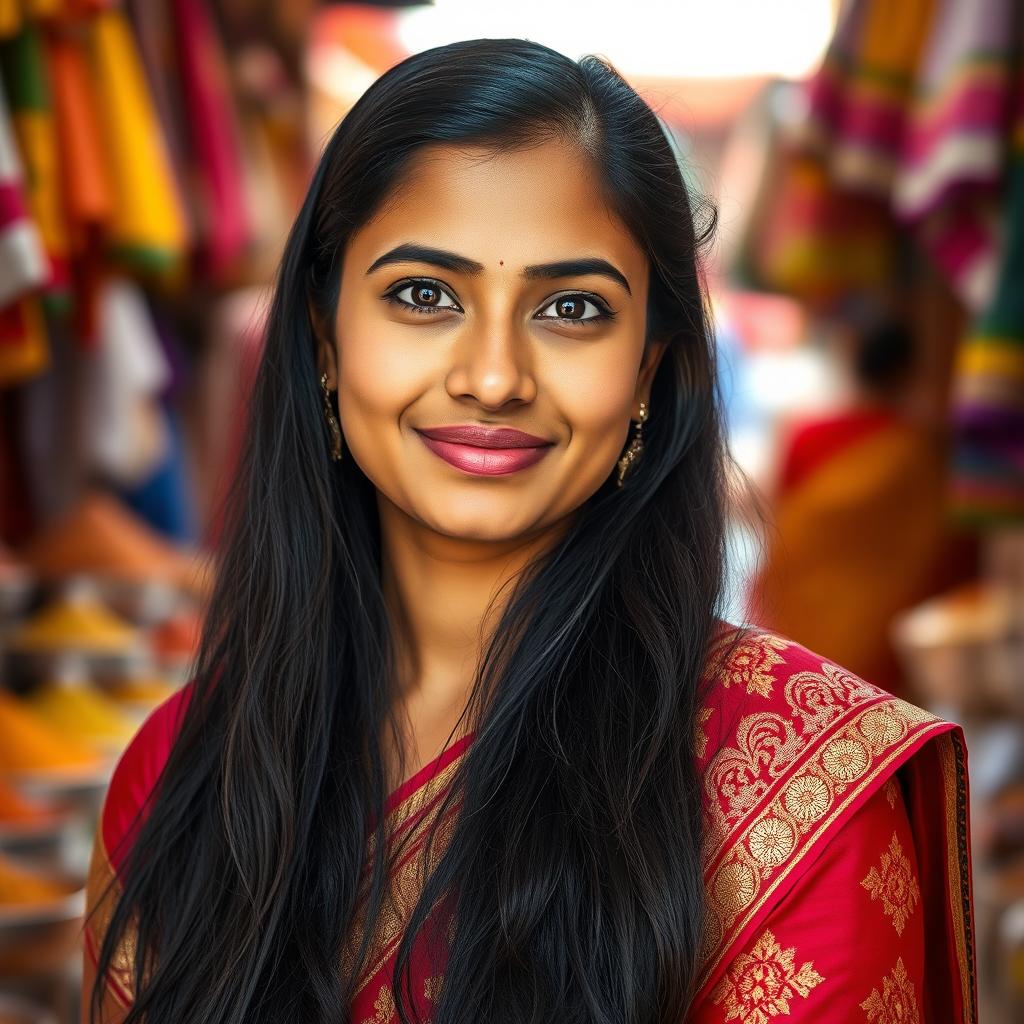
636 446
333 426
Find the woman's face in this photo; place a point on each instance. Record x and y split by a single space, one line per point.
496 293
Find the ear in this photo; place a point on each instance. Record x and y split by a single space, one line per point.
326 356
653 352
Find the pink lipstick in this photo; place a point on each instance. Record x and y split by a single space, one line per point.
485 451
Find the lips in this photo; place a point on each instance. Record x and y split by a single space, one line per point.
485 451
485 437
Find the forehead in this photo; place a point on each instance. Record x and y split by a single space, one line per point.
521 207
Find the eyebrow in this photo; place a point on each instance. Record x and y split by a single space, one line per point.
411 252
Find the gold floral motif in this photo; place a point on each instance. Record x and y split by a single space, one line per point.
766 745
771 841
879 726
843 753
845 759
891 791
897 1002
895 885
702 737
735 886
384 1007
432 987
807 797
819 698
911 712
752 662
759 985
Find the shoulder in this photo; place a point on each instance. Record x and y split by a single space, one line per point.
791 744
757 675
798 754
137 772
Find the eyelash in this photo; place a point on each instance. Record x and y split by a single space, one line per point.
605 314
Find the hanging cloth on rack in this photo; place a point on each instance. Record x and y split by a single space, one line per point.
216 141
988 384
85 181
858 101
26 81
23 266
954 152
148 231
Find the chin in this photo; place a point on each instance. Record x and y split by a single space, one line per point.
502 522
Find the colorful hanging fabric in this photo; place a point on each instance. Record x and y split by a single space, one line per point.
955 146
216 142
809 240
128 433
26 81
988 386
24 348
858 101
10 17
23 265
86 185
147 226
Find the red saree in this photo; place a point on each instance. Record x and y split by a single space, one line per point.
837 853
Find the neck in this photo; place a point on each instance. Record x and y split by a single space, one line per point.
444 597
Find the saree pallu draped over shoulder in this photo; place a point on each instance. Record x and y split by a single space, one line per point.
836 858
837 846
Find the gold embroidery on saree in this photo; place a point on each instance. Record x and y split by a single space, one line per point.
891 790
751 664
851 732
952 759
896 1003
408 878
806 798
771 841
741 775
102 893
893 883
383 1006
701 745
761 982
729 910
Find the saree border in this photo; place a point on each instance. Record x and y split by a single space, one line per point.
407 822
953 758
745 870
103 887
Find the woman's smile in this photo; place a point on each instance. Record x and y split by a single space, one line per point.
485 451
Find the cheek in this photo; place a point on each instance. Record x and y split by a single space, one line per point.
595 398
380 370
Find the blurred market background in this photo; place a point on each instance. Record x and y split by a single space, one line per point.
867 159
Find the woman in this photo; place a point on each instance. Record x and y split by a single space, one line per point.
860 509
465 739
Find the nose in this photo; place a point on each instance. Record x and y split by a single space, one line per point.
492 365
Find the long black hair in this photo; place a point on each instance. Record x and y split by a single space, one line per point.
574 867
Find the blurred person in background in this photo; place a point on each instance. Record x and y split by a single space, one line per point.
467 739
858 529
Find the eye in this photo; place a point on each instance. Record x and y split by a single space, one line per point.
422 296
577 307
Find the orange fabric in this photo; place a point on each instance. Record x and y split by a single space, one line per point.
857 537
